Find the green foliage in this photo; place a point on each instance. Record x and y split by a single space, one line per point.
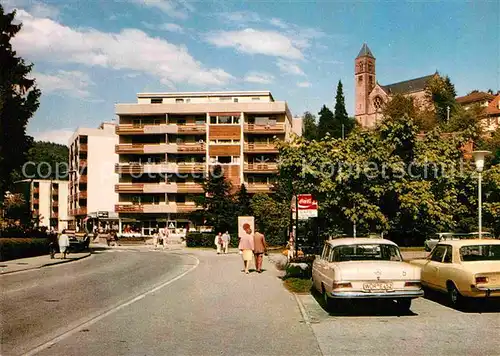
13 248
271 217
219 209
243 200
442 94
206 239
54 154
340 115
326 123
401 106
18 102
310 130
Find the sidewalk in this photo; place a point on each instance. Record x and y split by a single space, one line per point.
24 264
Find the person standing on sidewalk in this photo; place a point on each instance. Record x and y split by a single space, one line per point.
166 235
155 238
260 248
63 243
218 242
226 238
246 246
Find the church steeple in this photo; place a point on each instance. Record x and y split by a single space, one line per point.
365 52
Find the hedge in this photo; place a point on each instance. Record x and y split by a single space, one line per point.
206 239
13 248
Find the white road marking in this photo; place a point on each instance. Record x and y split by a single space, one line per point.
95 319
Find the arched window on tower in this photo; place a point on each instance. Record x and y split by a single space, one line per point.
377 103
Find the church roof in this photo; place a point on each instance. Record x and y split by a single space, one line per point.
408 86
365 52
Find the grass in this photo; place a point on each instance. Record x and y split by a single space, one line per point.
298 285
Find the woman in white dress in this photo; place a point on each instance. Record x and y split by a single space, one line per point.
63 242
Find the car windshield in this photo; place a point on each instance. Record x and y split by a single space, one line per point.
368 252
480 253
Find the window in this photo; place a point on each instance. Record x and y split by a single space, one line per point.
156 101
480 253
181 122
225 119
213 119
448 255
199 121
368 252
225 99
262 120
360 80
378 102
179 101
256 99
437 255
326 251
224 159
188 100
235 100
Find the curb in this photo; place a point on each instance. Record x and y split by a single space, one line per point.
47 265
302 309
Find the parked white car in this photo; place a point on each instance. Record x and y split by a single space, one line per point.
365 268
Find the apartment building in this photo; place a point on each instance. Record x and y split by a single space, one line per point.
168 142
92 159
47 201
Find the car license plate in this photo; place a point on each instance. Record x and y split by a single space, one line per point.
377 286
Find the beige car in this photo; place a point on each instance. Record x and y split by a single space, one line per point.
463 268
365 268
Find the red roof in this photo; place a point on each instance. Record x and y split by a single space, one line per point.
475 97
494 106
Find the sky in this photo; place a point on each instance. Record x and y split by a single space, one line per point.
89 55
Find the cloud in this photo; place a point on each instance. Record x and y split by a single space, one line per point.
278 23
72 83
239 17
36 8
259 77
171 27
60 136
174 8
252 41
304 84
130 49
289 67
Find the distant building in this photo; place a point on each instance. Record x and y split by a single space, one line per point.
297 125
370 96
48 201
92 161
490 103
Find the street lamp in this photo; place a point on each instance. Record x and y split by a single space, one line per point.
479 160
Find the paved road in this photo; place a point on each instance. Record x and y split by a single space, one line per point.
212 310
431 329
41 304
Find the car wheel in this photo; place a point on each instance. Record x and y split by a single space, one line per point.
404 305
454 296
329 302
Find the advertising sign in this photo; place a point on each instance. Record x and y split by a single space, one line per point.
246 225
308 207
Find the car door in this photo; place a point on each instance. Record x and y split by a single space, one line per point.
430 271
445 267
319 267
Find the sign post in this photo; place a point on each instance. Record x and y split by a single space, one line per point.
304 207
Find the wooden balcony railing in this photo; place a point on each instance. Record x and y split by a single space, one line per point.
79 211
129 129
36 201
36 190
54 215
129 188
261 167
259 187
55 203
82 195
190 167
82 179
252 128
261 148
189 187
129 148
83 147
191 129
191 147
129 208
186 207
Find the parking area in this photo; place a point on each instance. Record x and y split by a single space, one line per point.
432 328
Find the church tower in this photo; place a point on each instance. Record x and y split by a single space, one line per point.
364 76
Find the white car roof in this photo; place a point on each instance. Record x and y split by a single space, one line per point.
359 241
469 242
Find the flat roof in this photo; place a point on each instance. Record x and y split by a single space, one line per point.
205 94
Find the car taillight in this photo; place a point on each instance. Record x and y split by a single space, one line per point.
342 285
481 280
412 284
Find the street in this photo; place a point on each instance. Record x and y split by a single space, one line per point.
137 301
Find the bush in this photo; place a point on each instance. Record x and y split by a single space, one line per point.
18 231
298 285
13 248
206 239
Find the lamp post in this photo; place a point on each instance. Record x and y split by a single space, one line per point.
479 160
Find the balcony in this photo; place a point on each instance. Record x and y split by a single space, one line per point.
83 163
191 148
261 167
191 129
55 192
36 201
129 129
83 147
36 190
265 129
55 204
54 215
189 187
156 208
159 188
82 179
82 195
191 167
79 211
259 187
129 188
129 148
260 148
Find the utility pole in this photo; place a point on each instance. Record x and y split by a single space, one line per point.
447 114
342 131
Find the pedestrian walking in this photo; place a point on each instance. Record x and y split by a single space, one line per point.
246 246
155 238
63 243
291 249
260 248
166 235
226 238
218 242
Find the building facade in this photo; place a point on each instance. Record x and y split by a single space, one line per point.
92 161
48 201
370 96
169 142
491 103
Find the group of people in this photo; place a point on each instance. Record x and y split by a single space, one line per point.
252 245
222 241
161 236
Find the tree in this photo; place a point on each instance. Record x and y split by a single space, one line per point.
56 157
271 217
18 102
243 200
441 92
218 208
326 122
344 124
310 130
404 106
